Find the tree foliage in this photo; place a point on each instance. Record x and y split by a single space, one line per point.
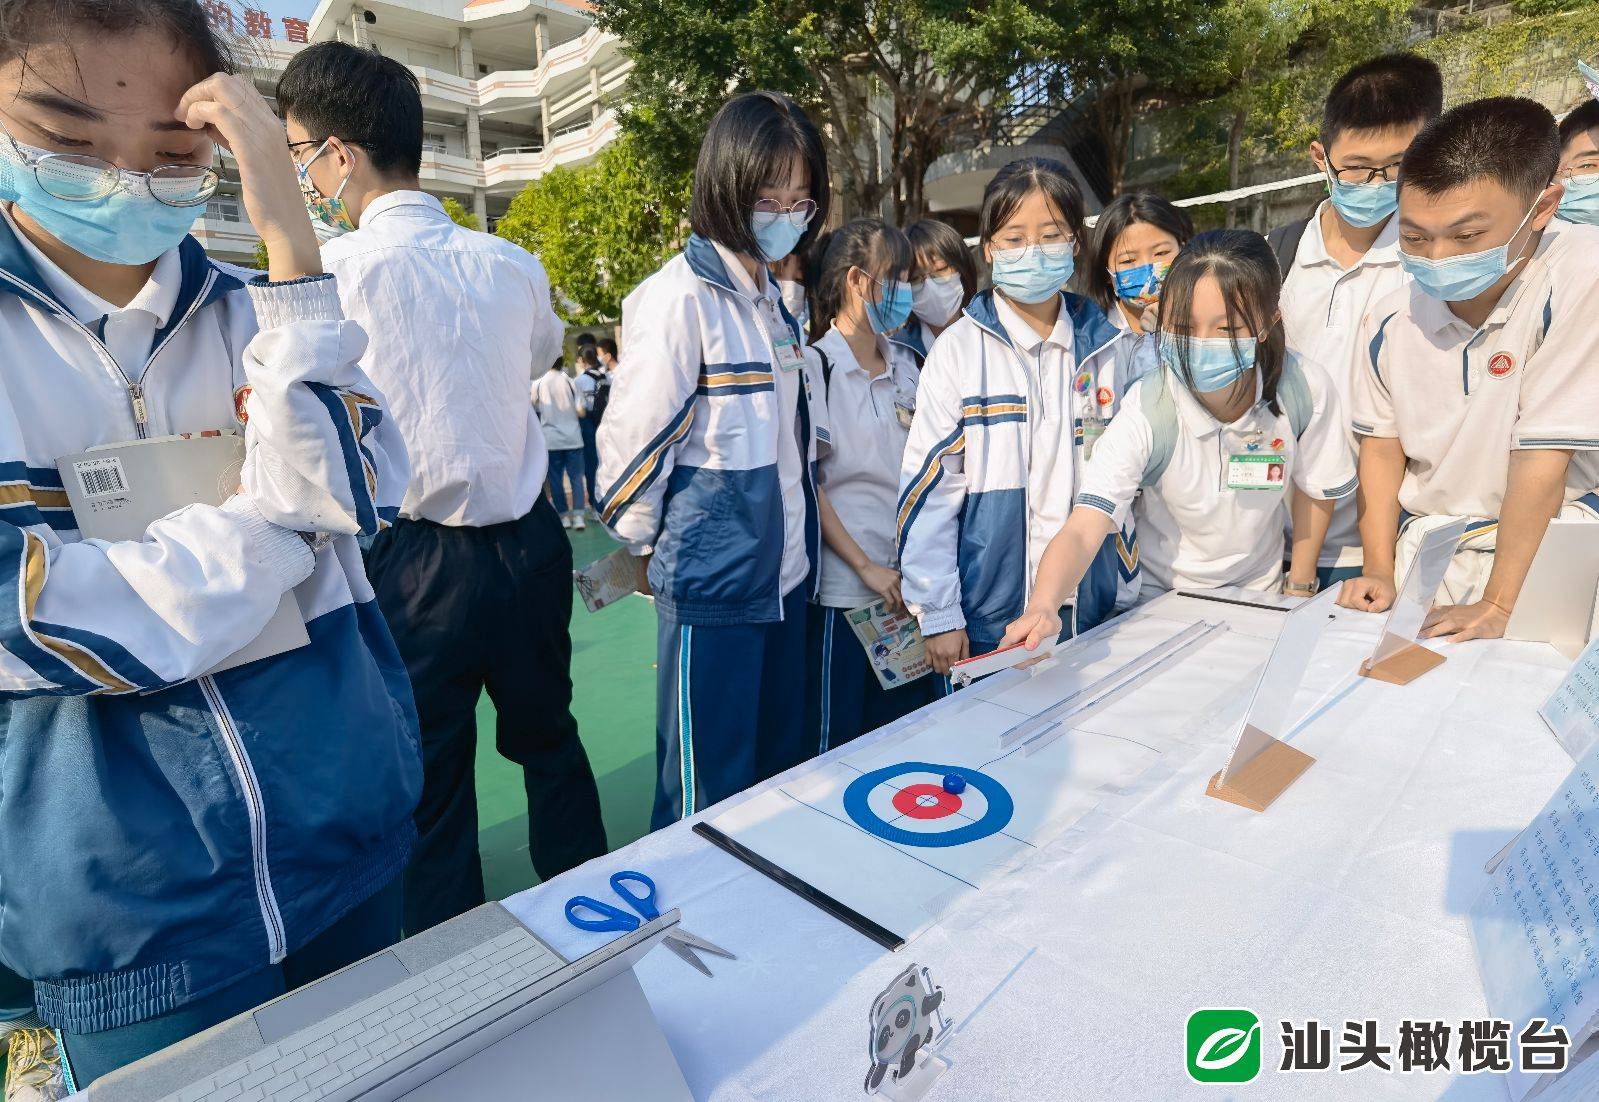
460 215
261 255
600 229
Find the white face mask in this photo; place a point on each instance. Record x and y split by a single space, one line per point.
793 293
936 300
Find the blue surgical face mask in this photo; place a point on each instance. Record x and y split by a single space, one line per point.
1464 277
894 309
1580 203
1214 363
1363 205
776 233
1032 273
1141 285
129 226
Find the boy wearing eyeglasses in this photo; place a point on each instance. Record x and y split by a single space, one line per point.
1344 257
1476 387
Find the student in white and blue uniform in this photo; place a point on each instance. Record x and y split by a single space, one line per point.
706 461
865 391
181 846
1012 400
943 281
1136 239
1205 450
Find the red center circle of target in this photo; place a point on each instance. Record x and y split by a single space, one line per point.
926 801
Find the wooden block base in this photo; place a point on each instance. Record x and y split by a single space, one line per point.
1404 667
1263 779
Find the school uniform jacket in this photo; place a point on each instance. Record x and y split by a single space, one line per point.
968 551
688 446
162 833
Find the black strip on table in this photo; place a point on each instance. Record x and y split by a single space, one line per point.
1231 601
850 917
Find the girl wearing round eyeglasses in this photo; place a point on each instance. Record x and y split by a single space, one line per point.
706 460
864 409
180 845
1013 398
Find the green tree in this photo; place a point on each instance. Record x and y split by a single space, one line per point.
890 83
460 215
261 255
600 229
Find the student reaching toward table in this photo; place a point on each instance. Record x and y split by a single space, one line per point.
865 400
1212 440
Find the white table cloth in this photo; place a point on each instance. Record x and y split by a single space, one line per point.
1073 976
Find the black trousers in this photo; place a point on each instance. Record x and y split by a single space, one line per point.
474 609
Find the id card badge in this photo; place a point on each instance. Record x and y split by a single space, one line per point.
1093 429
1256 471
785 346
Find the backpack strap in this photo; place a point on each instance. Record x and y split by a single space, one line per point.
827 370
1293 395
1160 410
1284 242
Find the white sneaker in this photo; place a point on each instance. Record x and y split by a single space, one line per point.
566 521
577 522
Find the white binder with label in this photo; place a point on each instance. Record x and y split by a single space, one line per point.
118 490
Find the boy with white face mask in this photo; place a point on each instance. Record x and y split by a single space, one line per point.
1476 389
1345 256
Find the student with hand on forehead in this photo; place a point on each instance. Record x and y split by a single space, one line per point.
1476 392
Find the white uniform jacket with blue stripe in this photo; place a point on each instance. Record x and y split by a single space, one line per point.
164 833
689 445
970 489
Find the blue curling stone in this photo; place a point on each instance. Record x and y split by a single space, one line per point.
954 784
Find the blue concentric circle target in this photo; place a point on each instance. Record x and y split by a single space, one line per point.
995 819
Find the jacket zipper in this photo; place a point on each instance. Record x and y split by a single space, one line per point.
254 806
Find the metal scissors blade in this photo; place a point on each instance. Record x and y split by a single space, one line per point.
697 942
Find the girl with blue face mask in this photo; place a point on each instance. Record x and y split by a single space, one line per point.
865 386
1014 397
1204 451
706 460
189 833
1136 238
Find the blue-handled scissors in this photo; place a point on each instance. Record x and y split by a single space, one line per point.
612 917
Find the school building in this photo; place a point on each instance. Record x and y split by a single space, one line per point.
510 89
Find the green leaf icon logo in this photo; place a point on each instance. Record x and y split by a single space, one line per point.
1224 1048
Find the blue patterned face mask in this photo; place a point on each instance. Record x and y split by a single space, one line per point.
1140 286
1464 277
118 219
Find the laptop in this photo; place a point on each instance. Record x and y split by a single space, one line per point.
479 1004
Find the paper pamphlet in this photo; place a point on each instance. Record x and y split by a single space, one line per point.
1572 710
118 490
1536 926
893 643
607 579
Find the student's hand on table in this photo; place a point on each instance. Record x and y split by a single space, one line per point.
1457 623
1368 594
945 649
885 583
1031 628
233 114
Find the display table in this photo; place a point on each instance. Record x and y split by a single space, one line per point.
1073 976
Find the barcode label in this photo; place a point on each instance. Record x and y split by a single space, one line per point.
102 477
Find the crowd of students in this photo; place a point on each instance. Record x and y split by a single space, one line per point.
805 422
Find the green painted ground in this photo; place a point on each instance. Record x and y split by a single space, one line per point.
613 678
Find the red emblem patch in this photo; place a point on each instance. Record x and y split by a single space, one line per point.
240 396
1502 364
1105 396
1276 443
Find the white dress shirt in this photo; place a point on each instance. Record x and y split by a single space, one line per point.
458 324
557 400
128 332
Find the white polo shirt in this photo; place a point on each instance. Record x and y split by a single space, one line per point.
1459 399
1193 532
790 463
862 426
1323 303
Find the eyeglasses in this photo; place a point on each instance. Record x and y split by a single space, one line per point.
1588 168
1387 173
889 285
82 179
1050 250
799 215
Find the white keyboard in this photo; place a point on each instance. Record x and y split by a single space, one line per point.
340 1050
